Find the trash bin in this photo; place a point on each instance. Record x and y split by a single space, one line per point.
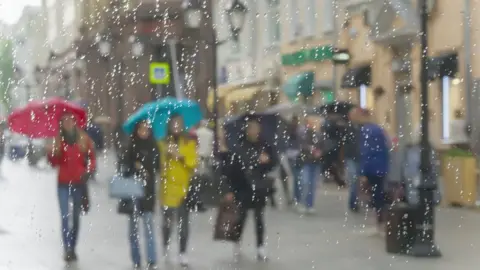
400 228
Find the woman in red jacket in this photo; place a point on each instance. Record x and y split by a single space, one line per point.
74 155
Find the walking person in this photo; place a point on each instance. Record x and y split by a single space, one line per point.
246 169
312 149
141 160
374 163
74 154
352 157
292 154
178 162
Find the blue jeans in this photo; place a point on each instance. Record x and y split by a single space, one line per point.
352 177
149 228
70 231
310 173
297 184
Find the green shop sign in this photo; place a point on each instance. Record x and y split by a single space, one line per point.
318 54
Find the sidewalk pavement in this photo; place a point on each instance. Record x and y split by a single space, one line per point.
333 238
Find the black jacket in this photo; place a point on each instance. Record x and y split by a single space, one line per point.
351 147
243 171
148 155
315 140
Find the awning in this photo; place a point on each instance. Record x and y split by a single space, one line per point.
302 83
242 94
356 77
441 66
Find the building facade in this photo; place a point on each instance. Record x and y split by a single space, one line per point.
28 37
62 21
306 51
248 69
383 73
117 79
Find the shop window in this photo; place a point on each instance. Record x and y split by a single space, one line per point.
367 98
451 101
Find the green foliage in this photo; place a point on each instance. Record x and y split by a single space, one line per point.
6 70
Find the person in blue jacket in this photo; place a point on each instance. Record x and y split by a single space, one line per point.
373 163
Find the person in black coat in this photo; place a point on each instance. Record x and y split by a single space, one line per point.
141 160
246 169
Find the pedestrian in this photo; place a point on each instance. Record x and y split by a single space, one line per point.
334 129
312 150
289 168
294 133
352 156
247 168
374 163
141 161
74 154
178 162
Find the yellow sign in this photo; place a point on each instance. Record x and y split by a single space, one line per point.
159 73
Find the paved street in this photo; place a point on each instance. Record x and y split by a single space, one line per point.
332 239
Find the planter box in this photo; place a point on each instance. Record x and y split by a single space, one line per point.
460 180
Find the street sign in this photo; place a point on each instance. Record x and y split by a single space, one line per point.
159 73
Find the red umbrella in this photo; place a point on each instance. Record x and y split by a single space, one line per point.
40 119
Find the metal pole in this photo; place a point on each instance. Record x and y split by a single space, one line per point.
424 245
335 42
468 62
121 91
215 97
172 45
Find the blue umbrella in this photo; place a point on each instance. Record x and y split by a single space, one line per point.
158 113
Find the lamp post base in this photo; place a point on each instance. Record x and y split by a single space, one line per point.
424 249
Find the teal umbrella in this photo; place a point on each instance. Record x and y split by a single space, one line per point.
159 112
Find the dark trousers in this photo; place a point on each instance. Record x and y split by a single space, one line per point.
182 215
376 185
258 212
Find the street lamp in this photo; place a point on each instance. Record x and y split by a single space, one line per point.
236 13
340 56
424 245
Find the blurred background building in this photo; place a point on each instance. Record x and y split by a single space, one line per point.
99 52
28 39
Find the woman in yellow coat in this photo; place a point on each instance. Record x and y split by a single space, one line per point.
178 163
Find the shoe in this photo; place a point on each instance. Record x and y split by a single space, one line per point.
311 211
355 209
301 209
136 266
69 256
152 266
74 256
166 255
262 254
183 260
237 249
